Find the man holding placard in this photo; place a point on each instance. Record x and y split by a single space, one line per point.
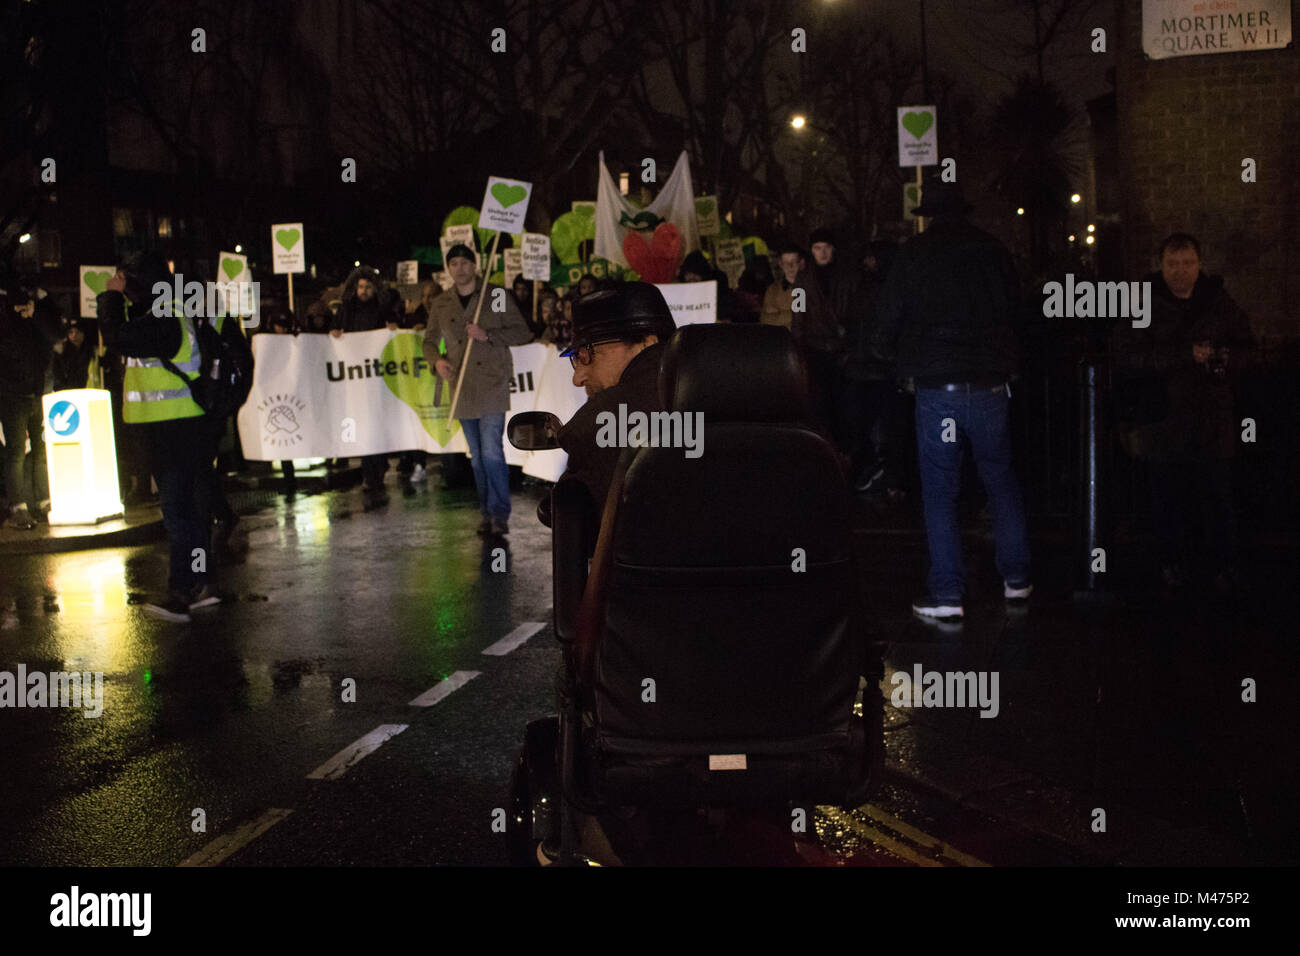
484 397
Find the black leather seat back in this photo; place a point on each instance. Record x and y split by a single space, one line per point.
731 582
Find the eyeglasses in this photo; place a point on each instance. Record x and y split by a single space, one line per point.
586 354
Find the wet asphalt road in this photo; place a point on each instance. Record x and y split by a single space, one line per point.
240 714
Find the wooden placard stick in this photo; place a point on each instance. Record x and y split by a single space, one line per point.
478 310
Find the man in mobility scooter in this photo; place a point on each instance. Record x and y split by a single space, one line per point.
713 649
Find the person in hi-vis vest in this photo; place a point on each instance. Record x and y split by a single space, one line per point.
177 434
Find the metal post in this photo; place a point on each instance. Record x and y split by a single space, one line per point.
1092 535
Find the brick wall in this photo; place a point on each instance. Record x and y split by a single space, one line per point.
1185 125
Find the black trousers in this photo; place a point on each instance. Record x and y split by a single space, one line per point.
20 417
1181 489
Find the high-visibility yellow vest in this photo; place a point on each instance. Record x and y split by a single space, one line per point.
150 393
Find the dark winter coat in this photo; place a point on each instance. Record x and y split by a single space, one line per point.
845 296
357 316
946 310
72 365
863 364
816 328
637 388
1168 407
24 356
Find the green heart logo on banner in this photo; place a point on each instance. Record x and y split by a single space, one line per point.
704 207
418 391
507 196
97 281
231 267
918 123
911 194
287 237
588 211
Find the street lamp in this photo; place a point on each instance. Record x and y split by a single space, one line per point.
238 247
798 121
1076 199
1020 210
25 237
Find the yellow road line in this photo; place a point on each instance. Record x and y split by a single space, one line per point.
840 818
919 837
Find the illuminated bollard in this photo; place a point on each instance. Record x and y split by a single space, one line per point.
81 456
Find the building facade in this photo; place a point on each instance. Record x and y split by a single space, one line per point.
1185 126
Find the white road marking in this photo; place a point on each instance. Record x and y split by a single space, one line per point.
441 689
346 758
229 843
512 640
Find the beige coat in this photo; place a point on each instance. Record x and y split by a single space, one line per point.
777 305
487 380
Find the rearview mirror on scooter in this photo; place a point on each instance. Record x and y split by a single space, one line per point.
534 431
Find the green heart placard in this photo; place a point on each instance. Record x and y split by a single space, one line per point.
97 281
911 194
506 195
704 207
418 391
287 237
918 123
232 267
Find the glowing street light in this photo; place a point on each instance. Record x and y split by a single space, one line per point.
1020 210
798 121
25 237
1076 198
1072 237
1090 240
1091 227
238 247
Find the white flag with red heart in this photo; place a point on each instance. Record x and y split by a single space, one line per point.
653 240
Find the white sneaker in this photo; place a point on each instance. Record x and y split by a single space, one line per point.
1017 594
418 474
203 598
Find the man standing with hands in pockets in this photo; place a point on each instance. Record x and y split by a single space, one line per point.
485 392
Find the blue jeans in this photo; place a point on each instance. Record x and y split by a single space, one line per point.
488 459
980 418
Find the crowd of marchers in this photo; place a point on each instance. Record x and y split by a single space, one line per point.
911 351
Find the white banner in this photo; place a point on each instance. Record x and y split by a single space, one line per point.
1191 27
369 393
691 302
